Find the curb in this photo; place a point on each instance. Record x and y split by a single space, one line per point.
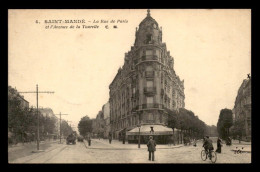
120 148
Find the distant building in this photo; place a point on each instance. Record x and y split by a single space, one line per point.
242 108
98 125
145 86
12 92
106 111
48 112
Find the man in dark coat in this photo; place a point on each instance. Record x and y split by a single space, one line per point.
89 139
208 146
110 138
151 148
219 145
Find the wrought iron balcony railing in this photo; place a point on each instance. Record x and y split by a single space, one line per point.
150 90
152 106
162 92
149 57
149 74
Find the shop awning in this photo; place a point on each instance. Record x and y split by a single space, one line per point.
146 130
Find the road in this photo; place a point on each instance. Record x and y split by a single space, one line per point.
102 152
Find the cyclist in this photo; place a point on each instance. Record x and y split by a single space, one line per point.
208 146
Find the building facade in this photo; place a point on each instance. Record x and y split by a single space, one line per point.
242 108
48 112
146 85
106 112
12 92
98 125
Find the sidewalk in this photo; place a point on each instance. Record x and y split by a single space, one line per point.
104 144
25 150
236 142
31 144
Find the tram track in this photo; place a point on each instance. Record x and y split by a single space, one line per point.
43 153
56 153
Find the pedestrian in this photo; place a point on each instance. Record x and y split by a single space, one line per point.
123 138
208 146
219 145
110 138
230 140
195 143
89 140
151 148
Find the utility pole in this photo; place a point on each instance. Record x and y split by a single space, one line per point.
38 119
60 124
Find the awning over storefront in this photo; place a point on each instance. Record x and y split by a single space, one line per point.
146 130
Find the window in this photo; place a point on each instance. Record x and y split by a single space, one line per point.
149 68
148 38
149 100
133 90
149 83
149 52
150 117
157 52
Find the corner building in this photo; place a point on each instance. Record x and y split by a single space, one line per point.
242 109
145 86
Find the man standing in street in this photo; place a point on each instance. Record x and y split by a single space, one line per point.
123 138
110 137
89 139
151 148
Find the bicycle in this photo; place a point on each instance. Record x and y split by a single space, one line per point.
205 154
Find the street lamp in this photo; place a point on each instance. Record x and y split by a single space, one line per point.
139 127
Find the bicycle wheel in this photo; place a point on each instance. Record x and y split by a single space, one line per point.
213 157
203 155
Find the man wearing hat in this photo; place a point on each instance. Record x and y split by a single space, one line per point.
208 146
151 148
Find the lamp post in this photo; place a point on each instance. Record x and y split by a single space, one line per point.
139 127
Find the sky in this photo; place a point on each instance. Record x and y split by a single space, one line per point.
211 51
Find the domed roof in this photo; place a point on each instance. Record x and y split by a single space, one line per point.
148 19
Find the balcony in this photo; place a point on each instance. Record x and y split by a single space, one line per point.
162 92
149 57
135 95
149 74
135 108
152 106
150 90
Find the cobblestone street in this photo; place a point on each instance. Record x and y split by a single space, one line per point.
101 151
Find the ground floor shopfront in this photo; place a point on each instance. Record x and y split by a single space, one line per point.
161 134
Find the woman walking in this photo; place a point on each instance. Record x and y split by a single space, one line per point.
219 145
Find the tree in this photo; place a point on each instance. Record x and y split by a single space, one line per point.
212 131
238 128
49 125
187 122
172 119
18 119
65 128
85 125
225 121
22 122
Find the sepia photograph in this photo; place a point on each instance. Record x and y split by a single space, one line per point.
129 86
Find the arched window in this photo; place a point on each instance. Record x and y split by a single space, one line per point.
149 38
